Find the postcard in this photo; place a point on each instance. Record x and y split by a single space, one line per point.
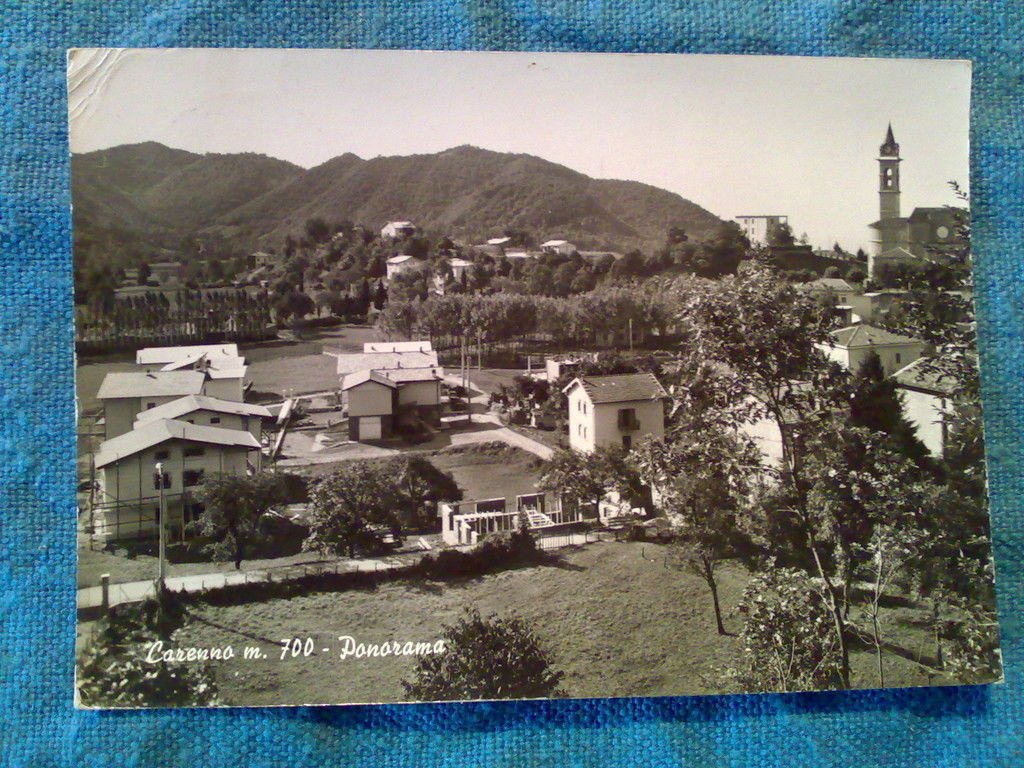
420 376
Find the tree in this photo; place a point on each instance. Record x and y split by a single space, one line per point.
578 477
876 404
420 486
317 230
856 275
353 509
833 272
485 658
787 638
144 273
702 479
235 506
294 304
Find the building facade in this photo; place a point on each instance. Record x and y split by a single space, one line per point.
614 411
760 228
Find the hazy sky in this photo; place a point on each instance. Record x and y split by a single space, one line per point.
735 134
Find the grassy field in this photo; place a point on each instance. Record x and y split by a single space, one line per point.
300 373
615 621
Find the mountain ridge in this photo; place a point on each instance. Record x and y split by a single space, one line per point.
148 197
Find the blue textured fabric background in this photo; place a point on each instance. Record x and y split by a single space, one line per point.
38 725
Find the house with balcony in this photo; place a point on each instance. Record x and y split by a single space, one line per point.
614 411
127 501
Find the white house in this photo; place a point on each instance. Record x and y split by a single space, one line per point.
927 402
125 394
209 412
558 247
394 230
759 228
614 411
851 346
396 265
459 267
128 486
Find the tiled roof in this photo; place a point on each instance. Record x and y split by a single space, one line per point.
156 384
163 355
401 259
192 403
361 377
869 335
828 283
154 433
926 374
406 375
379 361
621 388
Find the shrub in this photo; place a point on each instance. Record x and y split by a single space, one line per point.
788 640
492 658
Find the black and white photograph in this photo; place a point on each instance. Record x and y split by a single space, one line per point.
410 376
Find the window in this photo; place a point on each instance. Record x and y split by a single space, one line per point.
215 419
190 421
192 477
627 419
156 480
163 455
194 450
899 358
627 442
150 405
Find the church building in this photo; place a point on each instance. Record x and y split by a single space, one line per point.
898 239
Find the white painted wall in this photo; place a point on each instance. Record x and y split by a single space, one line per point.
927 413
369 399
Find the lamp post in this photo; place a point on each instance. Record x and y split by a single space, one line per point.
163 530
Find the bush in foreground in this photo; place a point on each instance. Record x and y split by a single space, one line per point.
492 658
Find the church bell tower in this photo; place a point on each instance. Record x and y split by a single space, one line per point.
889 178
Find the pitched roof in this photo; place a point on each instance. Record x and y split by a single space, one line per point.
155 384
407 375
163 355
401 259
397 346
621 388
925 374
553 243
827 283
379 361
499 240
899 252
157 432
219 367
869 335
192 403
460 263
362 377
399 224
